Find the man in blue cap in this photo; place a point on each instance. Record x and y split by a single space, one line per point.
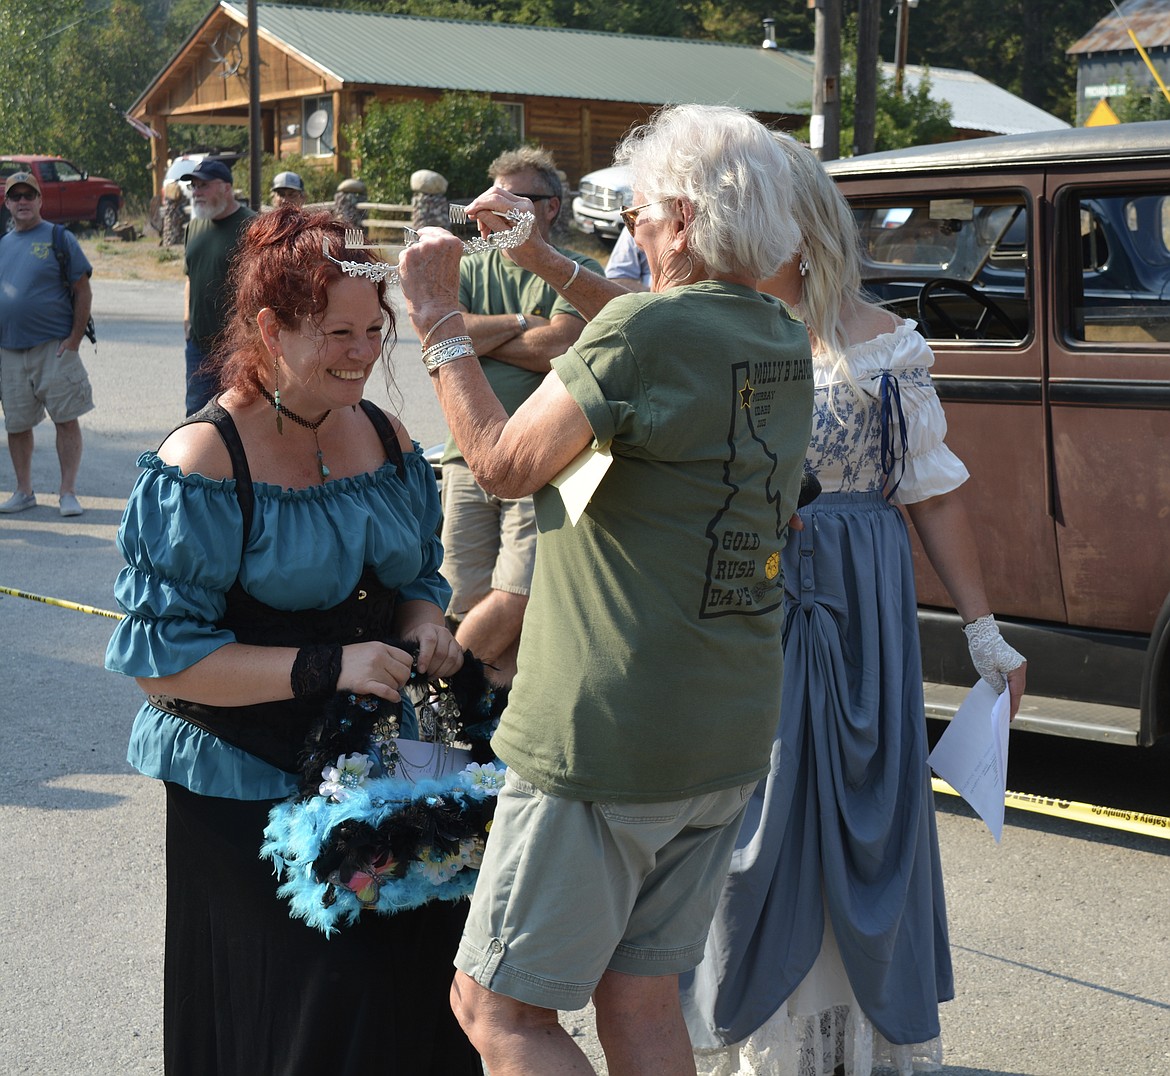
217 222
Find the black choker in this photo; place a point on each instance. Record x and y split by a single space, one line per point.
312 427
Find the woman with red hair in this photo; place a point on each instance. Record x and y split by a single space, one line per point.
270 542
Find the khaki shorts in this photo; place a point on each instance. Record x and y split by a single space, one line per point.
36 379
569 889
488 543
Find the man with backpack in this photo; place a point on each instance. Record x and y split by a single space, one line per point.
45 301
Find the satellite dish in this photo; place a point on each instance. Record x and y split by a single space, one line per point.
317 123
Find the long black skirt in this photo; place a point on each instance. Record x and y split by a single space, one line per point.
250 992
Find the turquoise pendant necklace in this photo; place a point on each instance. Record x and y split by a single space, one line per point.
310 426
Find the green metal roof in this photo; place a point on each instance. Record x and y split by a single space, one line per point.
490 57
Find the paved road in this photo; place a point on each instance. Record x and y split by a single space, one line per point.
1060 940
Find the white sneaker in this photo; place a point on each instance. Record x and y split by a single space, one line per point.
18 502
70 505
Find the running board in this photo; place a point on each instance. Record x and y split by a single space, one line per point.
1056 717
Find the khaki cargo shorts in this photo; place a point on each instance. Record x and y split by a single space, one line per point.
36 379
488 543
570 888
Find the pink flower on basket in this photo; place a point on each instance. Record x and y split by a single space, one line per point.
350 772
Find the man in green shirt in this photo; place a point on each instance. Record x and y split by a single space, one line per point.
217 221
518 324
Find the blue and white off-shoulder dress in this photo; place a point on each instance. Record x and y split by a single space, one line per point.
844 824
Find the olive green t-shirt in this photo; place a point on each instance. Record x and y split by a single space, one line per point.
489 283
650 662
207 253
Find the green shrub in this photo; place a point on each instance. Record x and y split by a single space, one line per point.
1140 103
458 136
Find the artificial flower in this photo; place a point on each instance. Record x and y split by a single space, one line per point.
489 778
349 773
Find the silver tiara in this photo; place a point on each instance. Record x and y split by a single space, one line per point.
379 271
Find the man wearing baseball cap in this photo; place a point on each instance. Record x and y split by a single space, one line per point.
217 222
41 324
287 189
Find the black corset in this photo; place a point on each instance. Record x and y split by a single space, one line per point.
275 731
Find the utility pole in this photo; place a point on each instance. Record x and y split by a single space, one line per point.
903 9
869 14
255 142
825 123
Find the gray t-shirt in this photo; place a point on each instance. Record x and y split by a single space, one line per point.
34 305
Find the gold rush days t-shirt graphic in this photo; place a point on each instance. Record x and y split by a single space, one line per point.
743 564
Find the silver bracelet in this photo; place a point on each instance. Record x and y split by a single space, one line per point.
569 282
431 330
458 347
522 321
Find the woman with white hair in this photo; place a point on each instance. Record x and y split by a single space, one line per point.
830 945
645 703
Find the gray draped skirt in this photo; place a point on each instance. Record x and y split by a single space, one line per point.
847 805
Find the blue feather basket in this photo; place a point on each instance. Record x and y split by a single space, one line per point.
384 824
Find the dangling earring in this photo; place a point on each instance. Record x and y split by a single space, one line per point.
670 278
803 265
276 394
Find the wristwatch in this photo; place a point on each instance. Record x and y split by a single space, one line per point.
522 321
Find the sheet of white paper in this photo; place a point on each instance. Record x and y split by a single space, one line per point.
577 482
972 754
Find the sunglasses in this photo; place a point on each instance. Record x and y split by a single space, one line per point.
22 196
534 197
630 215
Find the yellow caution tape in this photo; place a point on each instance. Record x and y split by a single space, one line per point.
1149 825
59 602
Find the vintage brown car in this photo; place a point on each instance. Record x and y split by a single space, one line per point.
1038 266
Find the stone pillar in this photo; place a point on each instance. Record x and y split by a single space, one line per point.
345 202
174 219
560 226
428 200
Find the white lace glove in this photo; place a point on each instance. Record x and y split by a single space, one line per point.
991 656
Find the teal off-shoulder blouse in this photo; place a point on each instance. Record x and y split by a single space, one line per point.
182 536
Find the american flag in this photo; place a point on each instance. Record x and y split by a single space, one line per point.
142 128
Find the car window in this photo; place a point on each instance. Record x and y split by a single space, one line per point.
48 172
66 173
956 264
1117 277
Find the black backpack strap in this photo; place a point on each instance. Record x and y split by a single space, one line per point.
62 255
241 472
388 435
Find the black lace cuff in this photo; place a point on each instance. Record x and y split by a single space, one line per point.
315 671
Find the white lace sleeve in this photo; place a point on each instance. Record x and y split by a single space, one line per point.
931 467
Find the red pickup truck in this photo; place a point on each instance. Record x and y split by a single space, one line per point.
68 194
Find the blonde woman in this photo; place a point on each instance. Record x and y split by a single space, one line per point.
830 944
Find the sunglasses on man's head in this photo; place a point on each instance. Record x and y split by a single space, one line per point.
534 197
22 196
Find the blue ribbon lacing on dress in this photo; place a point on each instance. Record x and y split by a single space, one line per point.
892 458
